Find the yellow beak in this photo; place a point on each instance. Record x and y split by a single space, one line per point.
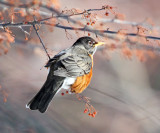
99 43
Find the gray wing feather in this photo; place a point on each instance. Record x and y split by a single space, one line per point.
73 63
74 66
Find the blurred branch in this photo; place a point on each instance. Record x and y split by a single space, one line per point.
148 114
74 12
52 9
131 44
102 20
106 94
85 28
14 5
82 27
97 32
123 22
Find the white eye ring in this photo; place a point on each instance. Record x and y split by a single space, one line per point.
90 42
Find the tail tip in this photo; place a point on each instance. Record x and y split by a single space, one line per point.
27 106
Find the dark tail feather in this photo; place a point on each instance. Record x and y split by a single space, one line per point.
44 96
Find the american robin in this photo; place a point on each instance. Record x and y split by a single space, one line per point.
70 69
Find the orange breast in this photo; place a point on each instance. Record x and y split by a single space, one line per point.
82 82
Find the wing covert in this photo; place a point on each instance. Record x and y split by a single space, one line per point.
74 66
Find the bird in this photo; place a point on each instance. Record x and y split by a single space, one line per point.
70 69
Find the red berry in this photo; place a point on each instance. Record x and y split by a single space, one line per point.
89 114
86 110
62 94
94 112
92 23
93 115
107 14
66 92
89 34
88 23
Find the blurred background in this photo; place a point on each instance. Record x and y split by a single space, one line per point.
126 93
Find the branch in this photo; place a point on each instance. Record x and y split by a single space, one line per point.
41 41
85 27
104 31
85 11
67 17
53 10
102 20
75 13
98 32
131 44
74 21
20 5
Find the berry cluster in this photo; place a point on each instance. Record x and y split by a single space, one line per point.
64 93
90 114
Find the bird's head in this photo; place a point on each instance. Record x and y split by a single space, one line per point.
88 44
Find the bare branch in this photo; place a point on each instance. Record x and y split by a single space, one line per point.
41 41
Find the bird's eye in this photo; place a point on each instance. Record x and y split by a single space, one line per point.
90 42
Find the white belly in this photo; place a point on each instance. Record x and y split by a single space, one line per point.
67 83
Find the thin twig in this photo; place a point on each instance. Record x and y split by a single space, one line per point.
41 41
